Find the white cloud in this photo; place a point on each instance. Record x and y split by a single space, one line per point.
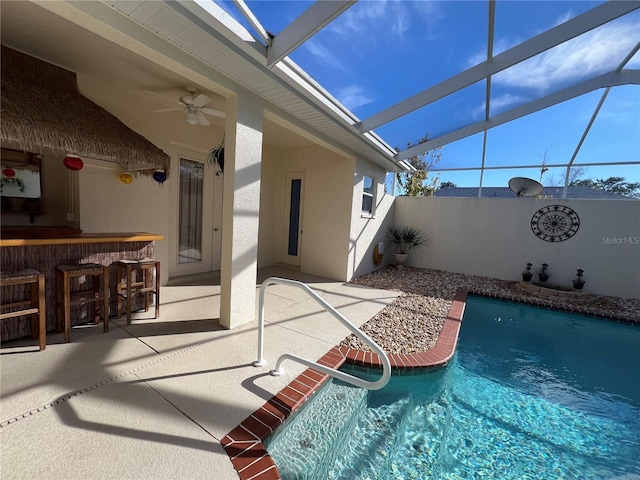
499 104
363 30
359 18
504 102
324 55
595 52
592 53
378 19
353 96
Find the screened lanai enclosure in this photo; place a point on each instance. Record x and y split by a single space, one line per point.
500 89
338 98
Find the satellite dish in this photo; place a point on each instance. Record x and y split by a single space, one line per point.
525 187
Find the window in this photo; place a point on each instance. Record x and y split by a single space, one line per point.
190 229
367 195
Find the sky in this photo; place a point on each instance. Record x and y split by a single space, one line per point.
379 52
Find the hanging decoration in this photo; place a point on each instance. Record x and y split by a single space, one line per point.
216 157
73 163
8 172
126 178
160 176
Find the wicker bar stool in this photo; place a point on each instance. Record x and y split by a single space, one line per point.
65 298
33 306
140 277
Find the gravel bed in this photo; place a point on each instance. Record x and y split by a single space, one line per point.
412 322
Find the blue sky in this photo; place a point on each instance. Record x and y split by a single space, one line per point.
379 52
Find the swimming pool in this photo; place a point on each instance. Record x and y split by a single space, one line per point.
530 394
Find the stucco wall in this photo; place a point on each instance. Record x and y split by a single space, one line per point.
326 223
493 237
155 207
367 231
327 198
271 204
328 188
107 205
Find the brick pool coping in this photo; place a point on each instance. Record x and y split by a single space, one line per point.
244 444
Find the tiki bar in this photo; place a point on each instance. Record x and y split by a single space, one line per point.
58 264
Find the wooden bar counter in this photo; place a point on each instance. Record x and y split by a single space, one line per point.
43 248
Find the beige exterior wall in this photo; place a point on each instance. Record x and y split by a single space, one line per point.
337 239
368 230
143 205
107 205
327 193
271 205
493 237
331 189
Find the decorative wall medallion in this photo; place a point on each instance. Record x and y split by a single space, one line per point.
555 223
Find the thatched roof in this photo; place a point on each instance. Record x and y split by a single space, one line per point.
41 107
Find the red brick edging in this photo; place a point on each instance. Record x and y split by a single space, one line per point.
244 444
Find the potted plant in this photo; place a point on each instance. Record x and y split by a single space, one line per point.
404 239
578 282
527 275
216 157
543 275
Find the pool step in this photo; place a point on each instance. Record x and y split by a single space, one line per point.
305 448
368 450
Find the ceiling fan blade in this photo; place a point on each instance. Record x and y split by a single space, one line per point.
203 120
214 113
200 100
169 110
166 99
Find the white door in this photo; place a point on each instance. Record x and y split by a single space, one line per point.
293 214
198 243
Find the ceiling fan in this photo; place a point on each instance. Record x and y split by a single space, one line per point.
194 103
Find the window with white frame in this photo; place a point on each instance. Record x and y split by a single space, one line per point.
368 193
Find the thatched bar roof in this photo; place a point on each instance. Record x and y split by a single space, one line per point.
42 107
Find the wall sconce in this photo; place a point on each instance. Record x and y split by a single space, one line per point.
126 178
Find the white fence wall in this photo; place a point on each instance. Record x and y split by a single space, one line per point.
493 238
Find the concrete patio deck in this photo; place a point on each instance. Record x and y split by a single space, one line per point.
153 400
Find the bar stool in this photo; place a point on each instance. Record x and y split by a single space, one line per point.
66 298
34 306
140 277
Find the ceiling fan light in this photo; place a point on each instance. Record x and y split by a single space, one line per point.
192 118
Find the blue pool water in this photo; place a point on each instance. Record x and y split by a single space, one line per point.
530 394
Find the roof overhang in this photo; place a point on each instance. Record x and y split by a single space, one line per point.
199 35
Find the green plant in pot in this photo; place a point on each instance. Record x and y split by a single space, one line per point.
404 239
216 158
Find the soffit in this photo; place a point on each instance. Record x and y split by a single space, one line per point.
190 28
77 45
